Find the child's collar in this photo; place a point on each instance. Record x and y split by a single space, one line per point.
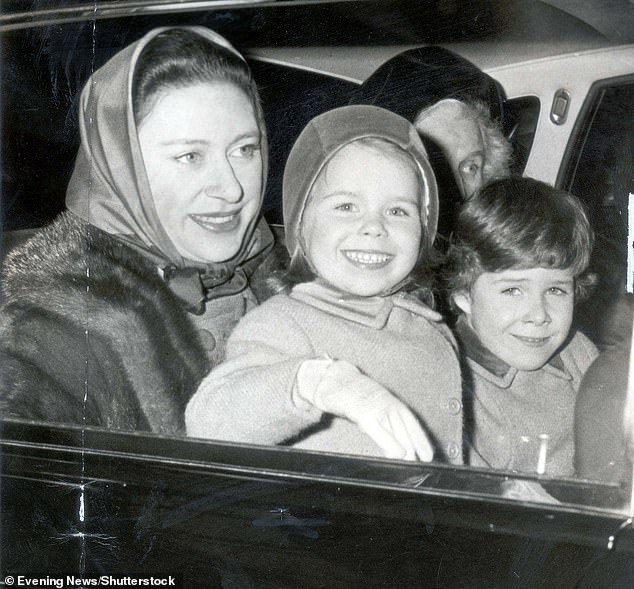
369 311
473 349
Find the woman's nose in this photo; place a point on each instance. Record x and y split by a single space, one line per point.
222 182
537 311
373 225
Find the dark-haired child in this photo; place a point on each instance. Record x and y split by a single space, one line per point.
517 262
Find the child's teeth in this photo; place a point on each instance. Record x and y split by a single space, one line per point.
366 258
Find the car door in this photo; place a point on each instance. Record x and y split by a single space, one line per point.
563 86
86 502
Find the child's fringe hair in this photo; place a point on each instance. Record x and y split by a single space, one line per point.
520 223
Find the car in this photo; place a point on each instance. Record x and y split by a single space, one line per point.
98 505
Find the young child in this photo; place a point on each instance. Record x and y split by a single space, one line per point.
350 360
519 258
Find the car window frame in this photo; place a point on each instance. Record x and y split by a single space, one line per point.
581 128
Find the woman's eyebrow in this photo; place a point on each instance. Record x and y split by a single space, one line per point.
185 142
255 135
472 154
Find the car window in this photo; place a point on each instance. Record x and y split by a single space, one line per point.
45 68
520 123
599 169
601 159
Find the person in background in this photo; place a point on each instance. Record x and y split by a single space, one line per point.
112 315
351 360
470 140
515 268
456 108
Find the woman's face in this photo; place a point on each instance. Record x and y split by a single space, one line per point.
201 149
451 125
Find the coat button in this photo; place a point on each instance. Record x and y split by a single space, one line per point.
208 340
453 451
454 406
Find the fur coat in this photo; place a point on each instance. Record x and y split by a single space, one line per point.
94 328
90 334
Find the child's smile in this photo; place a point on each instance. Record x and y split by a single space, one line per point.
521 315
362 225
533 341
368 259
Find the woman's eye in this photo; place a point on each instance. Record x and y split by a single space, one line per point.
512 291
245 151
190 157
346 207
471 168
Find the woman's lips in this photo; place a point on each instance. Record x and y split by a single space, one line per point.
218 222
372 260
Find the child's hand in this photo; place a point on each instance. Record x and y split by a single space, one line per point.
341 389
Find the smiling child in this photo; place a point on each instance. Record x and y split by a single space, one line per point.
518 259
350 360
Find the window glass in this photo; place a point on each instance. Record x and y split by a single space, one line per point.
601 163
599 170
291 98
520 122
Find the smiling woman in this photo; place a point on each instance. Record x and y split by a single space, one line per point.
149 269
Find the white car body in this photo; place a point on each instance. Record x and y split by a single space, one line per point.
514 66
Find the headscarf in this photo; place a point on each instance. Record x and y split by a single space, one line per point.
325 135
109 187
418 78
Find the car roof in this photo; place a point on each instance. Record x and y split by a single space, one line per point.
359 22
614 19
355 64
351 38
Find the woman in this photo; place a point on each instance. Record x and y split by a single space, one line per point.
113 314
